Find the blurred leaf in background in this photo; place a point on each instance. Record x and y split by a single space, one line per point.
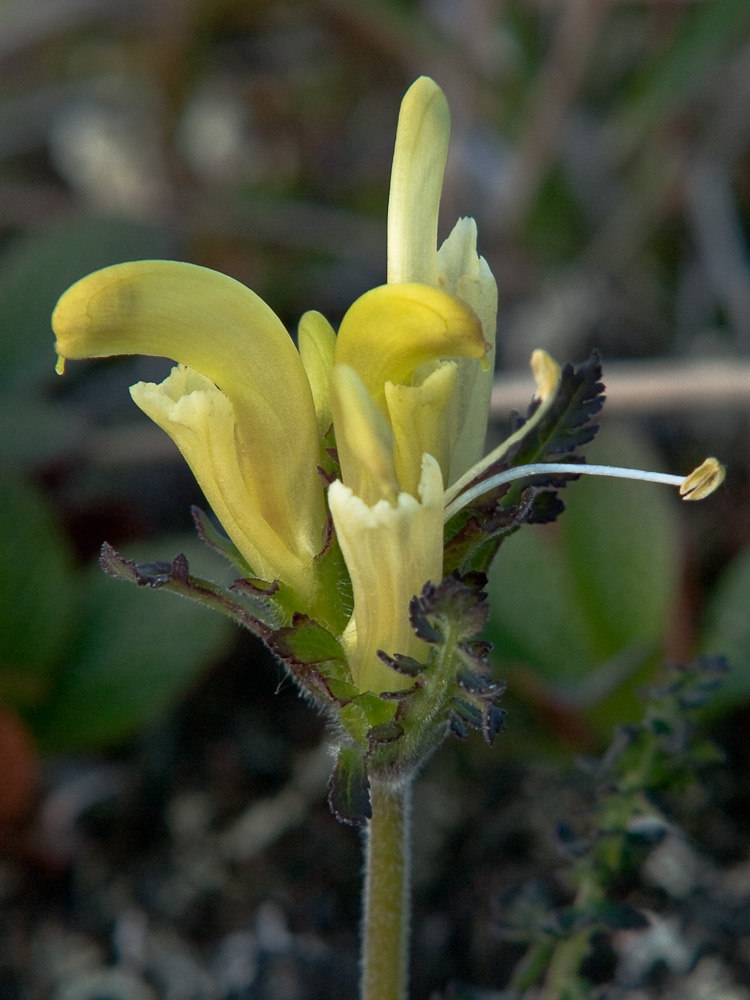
39 603
133 655
586 608
726 631
35 269
84 661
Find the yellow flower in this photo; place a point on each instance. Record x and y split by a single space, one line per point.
391 551
409 390
419 159
239 405
406 384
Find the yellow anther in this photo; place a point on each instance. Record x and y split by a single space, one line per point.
703 480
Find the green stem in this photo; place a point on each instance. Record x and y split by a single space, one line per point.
531 967
568 955
385 925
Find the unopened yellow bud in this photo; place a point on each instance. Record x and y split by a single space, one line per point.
546 374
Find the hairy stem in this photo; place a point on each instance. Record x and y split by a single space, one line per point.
385 925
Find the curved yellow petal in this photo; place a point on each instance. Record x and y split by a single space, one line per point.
217 327
390 331
419 157
364 439
391 552
420 416
200 420
316 340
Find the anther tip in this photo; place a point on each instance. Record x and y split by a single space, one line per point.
703 481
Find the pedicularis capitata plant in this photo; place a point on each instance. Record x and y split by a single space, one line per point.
348 476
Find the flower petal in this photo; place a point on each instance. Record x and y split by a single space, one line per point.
463 273
391 552
200 420
316 340
419 157
390 331
217 327
420 416
364 439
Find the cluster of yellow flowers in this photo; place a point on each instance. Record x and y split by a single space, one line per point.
405 385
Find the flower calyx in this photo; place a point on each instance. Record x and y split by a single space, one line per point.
452 691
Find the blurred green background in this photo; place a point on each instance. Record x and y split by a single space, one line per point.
604 149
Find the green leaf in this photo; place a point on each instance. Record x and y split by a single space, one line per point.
349 788
727 631
37 267
622 540
134 654
177 578
37 583
307 642
536 618
475 533
455 686
599 589
478 539
567 423
385 732
405 665
317 662
364 713
456 603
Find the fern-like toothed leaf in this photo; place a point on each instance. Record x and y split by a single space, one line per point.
405 665
494 721
458 602
474 534
567 423
176 578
